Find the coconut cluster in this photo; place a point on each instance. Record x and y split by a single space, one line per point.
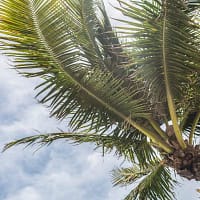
186 162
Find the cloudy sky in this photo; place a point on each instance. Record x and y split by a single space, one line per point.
58 172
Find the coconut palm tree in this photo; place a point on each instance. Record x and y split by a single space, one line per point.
133 89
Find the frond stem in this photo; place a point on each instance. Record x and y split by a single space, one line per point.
196 120
156 126
184 117
170 101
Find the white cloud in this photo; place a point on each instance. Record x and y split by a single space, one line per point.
63 174
113 13
59 171
24 194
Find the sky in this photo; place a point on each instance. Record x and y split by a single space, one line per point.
62 170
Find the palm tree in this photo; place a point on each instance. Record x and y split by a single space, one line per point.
133 89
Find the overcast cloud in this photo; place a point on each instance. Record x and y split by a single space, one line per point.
60 171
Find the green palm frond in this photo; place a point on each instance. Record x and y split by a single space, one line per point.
144 152
134 148
126 176
63 64
191 127
154 182
54 40
164 44
193 4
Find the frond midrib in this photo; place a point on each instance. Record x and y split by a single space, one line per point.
170 100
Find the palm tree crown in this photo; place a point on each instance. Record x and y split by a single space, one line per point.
118 86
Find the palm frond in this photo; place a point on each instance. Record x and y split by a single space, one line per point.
145 29
48 39
126 176
135 149
144 152
165 45
191 127
193 4
154 182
